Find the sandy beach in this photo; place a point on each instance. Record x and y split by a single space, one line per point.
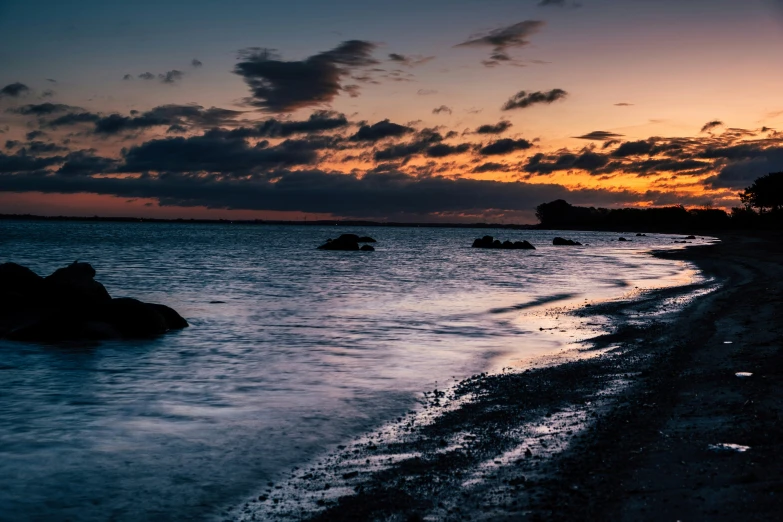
657 426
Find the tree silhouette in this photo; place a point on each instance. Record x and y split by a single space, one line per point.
765 193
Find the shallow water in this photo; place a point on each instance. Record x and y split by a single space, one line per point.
305 349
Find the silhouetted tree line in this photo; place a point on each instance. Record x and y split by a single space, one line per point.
762 209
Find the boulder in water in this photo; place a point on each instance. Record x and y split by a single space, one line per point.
69 305
559 241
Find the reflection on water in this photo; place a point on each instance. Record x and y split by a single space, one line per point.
304 349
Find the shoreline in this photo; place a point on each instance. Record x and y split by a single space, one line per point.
494 446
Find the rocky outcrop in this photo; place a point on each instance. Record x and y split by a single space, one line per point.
559 241
623 239
69 305
490 242
348 242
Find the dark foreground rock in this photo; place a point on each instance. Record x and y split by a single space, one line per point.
490 242
348 242
559 241
69 305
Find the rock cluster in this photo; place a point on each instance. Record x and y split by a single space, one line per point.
559 241
348 242
490 242
70 305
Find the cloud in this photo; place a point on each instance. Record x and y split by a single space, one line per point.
490 167
319 121
634 148
285 86
37 148
215 152
441 109
147 76
754 164
172 76
23 162
378 131
410 61
127 77
196 63
587 160
373 195
426 139
711 125
172 114
623 104
523 99
599 136
86 163
14 90
32 135
500 40
504 146
426 92
42 109
498 128
558 3
73 118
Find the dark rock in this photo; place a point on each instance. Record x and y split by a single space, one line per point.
74 284
641 235
622 239
491 242
366 239
367 248
689 237
70 305
344 242
559 241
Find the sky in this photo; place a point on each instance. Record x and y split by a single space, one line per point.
427 110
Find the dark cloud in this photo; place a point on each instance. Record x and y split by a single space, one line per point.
441 109
410 61
42 109
172 76
284 86
599 136
558 3
490 167
10 144
196 63
523 99
34 135
426 92
634 148
655 166
373 195
504 146
753 165
36 148
425 140
587 160
14 90
192 115
319 121
623 104
441 150
48 93
500 40
711 125
378 131
127 77
147 76
498 128
86 163
23 162
73 118
215 152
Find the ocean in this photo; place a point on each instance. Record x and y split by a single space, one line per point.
291 351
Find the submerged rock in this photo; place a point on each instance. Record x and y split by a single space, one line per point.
367 248
559 241
623 239
69 305
490 242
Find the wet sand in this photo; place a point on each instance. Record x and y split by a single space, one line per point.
631 431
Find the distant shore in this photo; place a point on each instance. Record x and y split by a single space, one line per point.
634 433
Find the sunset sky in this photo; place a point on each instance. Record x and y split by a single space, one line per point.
427 110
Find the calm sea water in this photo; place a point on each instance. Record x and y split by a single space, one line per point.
304 350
